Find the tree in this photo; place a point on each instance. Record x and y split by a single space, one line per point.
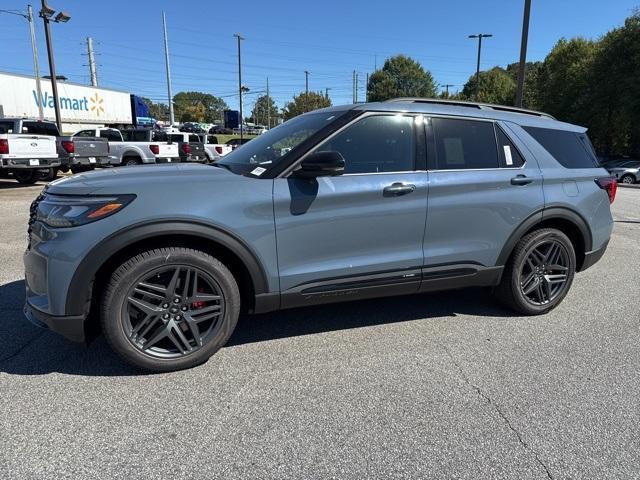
531 93
159 111
400 76
496 86
198 107
304 102
263 106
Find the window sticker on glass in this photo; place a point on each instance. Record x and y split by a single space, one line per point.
258 171
507 154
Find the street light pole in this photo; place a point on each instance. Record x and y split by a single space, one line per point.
168 70
479 36
306 90
46 13
34 51
240 38
523 53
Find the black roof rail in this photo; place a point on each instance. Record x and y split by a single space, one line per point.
462 103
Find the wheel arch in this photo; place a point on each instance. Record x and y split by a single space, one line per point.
568 221
105 257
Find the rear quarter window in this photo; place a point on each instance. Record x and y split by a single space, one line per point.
570 149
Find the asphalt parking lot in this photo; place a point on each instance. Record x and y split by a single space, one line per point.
447 385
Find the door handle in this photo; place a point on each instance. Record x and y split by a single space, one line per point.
397 189
522 180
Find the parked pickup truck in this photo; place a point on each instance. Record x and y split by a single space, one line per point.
214 149
133 152
191 146
24 151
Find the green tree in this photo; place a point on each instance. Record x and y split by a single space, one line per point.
304 102
159 111
263 109
198 107
400 76
531 94
496 86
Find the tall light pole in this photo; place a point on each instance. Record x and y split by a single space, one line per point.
306 90
523 52
268 106
34 51
46 13
479 36
92 63
168 69
240 38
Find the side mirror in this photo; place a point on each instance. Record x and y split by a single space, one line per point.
321 164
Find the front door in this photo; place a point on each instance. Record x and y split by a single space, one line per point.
358 234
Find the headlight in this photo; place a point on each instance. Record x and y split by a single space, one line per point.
70 211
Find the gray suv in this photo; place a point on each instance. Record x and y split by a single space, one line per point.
345 203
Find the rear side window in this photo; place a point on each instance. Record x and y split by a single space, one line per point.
464 144
194 138
111 135
509 155
570 149
85 133
6 127
176 138
40 128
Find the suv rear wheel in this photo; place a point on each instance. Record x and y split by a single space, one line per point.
539 273
169 308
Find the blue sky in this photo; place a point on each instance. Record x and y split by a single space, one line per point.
284 38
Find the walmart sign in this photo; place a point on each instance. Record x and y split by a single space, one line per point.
66 103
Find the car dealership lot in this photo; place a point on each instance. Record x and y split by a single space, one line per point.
447 385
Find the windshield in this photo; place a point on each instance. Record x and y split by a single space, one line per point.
267 150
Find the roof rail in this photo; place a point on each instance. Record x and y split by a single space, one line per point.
462 103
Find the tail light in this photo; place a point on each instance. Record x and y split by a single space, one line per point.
68 146
155 149
610 184
186 148
219 150
4 146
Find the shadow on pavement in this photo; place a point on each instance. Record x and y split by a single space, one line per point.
29 350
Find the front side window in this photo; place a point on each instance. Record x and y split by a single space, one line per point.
464 144
85 133
111 135
194 138
375 144
6 127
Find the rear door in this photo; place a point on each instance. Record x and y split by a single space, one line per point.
360 233
481 187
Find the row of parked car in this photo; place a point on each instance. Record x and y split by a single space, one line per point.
33 149
626 170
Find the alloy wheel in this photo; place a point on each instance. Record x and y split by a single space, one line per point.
173 311
545 272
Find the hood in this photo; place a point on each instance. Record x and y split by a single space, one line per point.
121 180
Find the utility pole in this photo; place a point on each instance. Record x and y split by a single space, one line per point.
479 36
353 86
326 92
306 91
34 50
240 38
523 53
168 68
446 86
356 89
268 107
366 90
92 62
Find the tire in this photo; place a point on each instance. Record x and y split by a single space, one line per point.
130 161
48 175
550 280
627 179
26 177
129 324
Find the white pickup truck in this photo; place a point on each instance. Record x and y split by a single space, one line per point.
215 151
131 152
23 154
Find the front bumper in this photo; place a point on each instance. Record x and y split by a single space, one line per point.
29 163
72 327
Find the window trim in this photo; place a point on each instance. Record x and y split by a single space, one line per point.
432 165
497 126
416 131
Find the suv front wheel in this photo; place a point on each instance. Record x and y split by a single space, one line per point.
169 308
539 273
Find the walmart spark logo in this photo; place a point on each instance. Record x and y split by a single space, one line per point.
96 104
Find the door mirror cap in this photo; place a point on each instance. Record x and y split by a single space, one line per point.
321 164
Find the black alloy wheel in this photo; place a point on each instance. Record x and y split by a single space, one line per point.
172 311
544 274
